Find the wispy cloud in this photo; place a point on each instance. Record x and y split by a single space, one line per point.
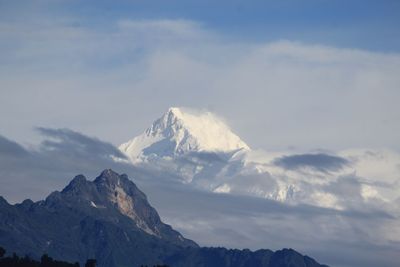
10 148
73 143
319 162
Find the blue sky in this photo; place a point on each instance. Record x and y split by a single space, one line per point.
368 24
359 24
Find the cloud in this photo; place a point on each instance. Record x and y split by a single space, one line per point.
319 162
346 238
33 173
70 142
11 148
287 88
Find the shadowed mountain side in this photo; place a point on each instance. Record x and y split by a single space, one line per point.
109 219
217 257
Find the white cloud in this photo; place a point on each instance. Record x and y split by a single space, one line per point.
274 94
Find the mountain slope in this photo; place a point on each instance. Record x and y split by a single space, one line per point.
111 220
217 257
105 219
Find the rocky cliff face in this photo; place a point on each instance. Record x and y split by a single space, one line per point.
108 219
111 195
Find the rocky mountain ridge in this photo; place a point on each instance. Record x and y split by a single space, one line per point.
109 219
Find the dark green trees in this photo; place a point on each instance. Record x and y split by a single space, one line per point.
45 261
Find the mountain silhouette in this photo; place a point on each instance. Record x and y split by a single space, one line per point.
110 220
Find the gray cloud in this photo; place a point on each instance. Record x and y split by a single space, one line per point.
320 162
64 153
10 148
74 143
347 186
346 238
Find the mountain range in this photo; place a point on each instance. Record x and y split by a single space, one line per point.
111 220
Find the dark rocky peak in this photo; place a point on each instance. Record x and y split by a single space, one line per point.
290 257
110 181
53 200
111 198
118 227
77 184
26 204
109 189
108 176
78 193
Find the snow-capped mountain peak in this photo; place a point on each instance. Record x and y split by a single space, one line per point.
180 131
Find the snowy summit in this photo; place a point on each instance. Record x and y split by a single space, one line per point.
200 150
181 131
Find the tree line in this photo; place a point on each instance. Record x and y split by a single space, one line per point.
45 261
